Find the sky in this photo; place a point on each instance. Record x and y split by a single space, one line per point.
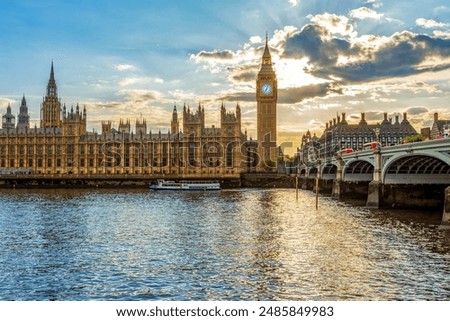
131 59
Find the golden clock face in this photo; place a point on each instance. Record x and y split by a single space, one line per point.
266 89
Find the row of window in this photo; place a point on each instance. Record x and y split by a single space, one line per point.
116 160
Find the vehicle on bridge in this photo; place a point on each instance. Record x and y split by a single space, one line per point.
346 151
371 145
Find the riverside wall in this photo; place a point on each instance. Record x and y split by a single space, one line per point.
252 180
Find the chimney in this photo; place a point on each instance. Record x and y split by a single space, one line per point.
436 117
396 119
363 119
338 119
326 126
334 121
385 116
404 116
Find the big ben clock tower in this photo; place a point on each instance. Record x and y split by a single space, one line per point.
266 109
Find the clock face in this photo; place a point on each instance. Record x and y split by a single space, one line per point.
266 89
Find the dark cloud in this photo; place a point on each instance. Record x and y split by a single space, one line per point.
246 73
106 105
295 95
239 96
417 110
244 76
316 43
401 56
374 116
216 54
145 97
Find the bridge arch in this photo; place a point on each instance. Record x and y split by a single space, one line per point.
417 168
302 172
358 170
329 171
312 172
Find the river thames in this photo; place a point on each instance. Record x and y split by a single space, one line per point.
242 244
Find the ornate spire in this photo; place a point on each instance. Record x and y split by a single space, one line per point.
51 87
266 65
267 58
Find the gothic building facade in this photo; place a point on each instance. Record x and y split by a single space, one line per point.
62 145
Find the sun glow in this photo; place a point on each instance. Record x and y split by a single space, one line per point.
290 73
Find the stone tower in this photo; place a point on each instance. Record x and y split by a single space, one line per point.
23 118
174 124
141 126
9 119
106 127
124 126
74 121
266 98
51 106
193 123
230 122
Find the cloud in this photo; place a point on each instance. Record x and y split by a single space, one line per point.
140 95
244 73
365 13
417 110
102 105
441 34
317 43
334 24
242 66
354 60
441 9
124 67
331 59
296 95
238 97
213 55
255 39
293 3
374 3
429 24
139 81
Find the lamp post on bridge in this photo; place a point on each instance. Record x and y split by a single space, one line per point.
377 135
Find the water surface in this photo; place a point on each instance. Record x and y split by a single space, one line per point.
247 244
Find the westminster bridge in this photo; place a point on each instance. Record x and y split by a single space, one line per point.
406 175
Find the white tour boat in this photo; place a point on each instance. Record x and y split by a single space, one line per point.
185 185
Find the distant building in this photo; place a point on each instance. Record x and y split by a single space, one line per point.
440 127
339 135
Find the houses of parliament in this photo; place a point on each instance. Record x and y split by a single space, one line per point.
62 145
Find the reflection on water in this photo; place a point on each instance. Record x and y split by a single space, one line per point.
230 245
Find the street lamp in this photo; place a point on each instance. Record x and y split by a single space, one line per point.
377 135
